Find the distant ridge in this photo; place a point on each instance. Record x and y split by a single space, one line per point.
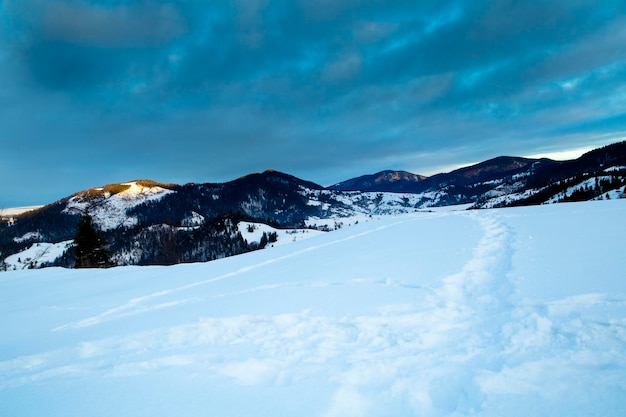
406 182
393 181
148 223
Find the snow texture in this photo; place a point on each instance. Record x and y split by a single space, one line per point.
504 312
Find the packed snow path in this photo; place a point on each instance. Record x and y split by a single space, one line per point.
510 312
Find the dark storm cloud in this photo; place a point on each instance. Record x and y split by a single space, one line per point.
205 91
75 45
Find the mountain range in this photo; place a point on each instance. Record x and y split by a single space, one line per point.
145 222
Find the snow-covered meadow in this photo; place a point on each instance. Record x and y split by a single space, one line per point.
505 312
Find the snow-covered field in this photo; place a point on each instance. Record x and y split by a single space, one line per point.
510 312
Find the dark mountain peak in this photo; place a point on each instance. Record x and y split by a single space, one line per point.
395 176
406 182
496 166
613 153
271 176
388 180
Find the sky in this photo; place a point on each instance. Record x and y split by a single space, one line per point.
97 92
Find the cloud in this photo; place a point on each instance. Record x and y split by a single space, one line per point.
384 84
132 25
77 47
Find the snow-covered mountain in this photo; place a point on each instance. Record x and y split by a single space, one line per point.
509 181
151 223
109 206
504 312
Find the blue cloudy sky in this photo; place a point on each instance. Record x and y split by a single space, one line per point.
95 92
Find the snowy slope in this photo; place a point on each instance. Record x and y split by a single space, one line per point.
37 255
505 312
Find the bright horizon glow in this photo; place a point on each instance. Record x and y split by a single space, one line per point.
562 155
574 153
14 211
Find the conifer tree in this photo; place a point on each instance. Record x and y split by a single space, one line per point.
89 248
263 242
